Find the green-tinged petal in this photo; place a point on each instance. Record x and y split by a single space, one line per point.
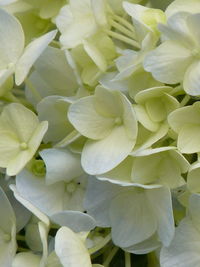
9 147
148 174
24 259
7 231
193 178
61 165
85 118
49 8
188 139
20 120
146 138
144 119
131 218
17 163
30 55
129 118
5 74
53 260
70 249
12 39
184 249
99 9
194 208
95 55
161 205
191 79
176 6
184 116
43 230
122 172
101 156
168 62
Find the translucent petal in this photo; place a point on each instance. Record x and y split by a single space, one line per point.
131 209
191 79
161 204
30 55
84 117
188 139
184 249
75 220
12 39
168 62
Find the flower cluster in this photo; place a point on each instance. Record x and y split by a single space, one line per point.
99 132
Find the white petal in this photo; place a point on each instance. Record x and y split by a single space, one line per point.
161 204
24 259
131 218
168 62
84 117
70 249
75 220
191 79
12 39
101 156
184 249
29 206
30 55
61 164
46 198
188 139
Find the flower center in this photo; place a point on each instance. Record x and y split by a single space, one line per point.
23 146
71 187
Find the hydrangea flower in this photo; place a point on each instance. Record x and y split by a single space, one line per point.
21 134
177 58
105 123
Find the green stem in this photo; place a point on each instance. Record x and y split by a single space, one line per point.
122 29
177 91
20 249
100 245
20 237
122 38
127 259
184 100
11 98
110 257
124 22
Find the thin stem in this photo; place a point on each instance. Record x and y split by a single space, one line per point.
110 257
127 259
20 237
22 249
177 91
11 98
122 29
100 245
124 22
123 38
184 100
